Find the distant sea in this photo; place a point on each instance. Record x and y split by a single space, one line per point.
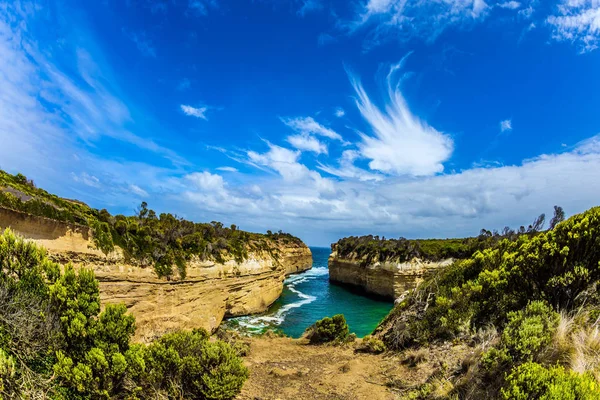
308 297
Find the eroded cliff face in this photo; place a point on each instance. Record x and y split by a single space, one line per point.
388 279
210 292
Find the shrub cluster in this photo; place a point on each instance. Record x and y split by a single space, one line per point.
517 286
326 330
534 381
55 342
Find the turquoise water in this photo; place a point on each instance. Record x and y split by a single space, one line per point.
308 297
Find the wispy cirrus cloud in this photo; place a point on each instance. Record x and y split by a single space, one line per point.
227 169
197 112
578 22
305 142
400 143
308 125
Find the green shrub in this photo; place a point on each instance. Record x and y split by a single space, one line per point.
333 329
534 381
371 344
55 342
530 330
187 364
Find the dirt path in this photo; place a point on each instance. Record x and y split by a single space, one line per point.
284 368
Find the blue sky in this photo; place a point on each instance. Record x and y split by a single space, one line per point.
323 118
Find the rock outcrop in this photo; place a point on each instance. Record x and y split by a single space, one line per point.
387 279
210 292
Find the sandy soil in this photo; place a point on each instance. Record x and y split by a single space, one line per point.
291 369
284 368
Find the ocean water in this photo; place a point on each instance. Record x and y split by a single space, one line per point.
308 297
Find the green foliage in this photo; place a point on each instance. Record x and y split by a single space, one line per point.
557 266
371 344
186 362
102 237
334 329
529 331
54 341
534 381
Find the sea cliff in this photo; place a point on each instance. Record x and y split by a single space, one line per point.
390 279
210 291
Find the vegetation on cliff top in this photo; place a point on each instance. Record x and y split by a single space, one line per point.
163 241
55 343
530 307
369 248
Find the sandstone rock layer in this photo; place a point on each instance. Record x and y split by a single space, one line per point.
210 292
387 279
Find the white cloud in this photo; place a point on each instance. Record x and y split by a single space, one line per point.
86 179
348 170
401 144
511 5
405 19
282 160
307 125
339 112
286 163
198 112
578 22
506 125
207 181
447 205
138 191
227 169
307 143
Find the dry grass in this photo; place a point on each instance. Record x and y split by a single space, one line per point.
585 356
415 357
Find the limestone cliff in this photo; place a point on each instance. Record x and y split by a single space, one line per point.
210 292
388 279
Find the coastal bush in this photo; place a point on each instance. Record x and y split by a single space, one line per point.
534 381
559 267
56 342
334 329
371 344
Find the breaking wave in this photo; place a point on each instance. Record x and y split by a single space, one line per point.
258 323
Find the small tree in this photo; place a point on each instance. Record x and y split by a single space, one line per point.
333 329
559 216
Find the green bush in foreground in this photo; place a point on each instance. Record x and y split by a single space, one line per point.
327 330
55 343
534 381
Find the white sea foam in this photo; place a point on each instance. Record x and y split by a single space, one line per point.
260 322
